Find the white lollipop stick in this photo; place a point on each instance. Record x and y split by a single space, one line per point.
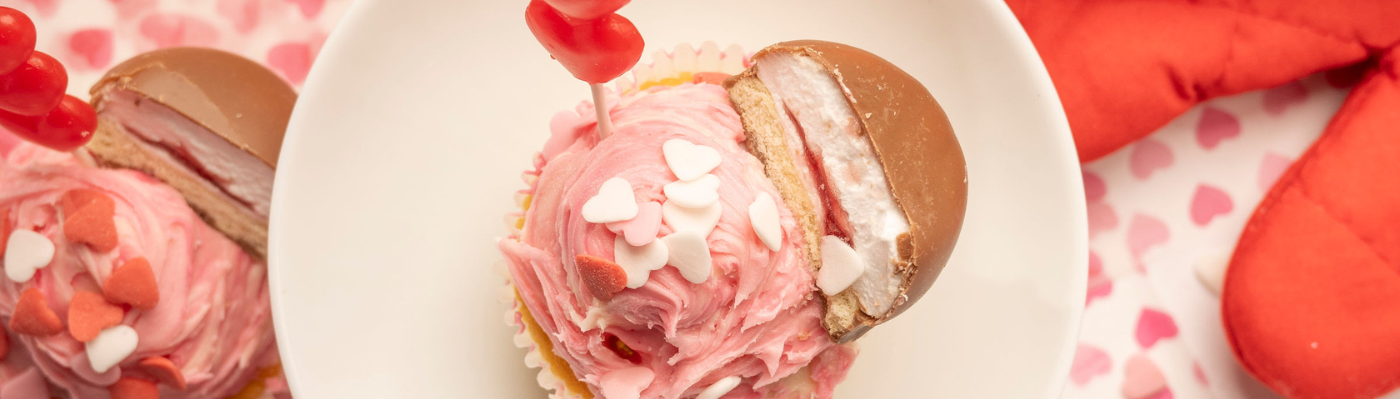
600 104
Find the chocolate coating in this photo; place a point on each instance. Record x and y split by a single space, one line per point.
915 144
232 96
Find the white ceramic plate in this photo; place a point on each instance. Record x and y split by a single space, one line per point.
407 144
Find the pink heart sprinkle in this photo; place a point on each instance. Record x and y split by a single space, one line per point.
1153 325
242 13
1142 379
293 60
1209 202
1094 187
1089 362
1101 218
94 46
1271 168
1148 156
172 30
1145 232
1215 126
310 8
1277 100
641 230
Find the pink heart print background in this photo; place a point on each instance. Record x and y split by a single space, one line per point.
1164 212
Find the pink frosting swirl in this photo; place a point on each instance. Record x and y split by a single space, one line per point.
213 317
756 317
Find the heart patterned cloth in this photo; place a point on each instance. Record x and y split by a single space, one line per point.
1310 300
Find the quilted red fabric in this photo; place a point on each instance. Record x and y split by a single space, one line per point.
1312 300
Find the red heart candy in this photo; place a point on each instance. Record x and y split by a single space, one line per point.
89 313
587 9
134 284
33 316
164 370
594 51
63 129
602 277
34 88
131 388
17 38
88 219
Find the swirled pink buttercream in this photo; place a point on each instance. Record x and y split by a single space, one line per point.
213 317
756 317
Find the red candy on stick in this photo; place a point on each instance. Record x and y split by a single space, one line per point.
592 42
65 128
35 87
32 103
594 50
587 9
17 38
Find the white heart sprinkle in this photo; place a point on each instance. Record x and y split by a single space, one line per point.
841 266
110 347
614 203
26 252
693 194
690 254
701 220
689 161
719 388
638 262
763 215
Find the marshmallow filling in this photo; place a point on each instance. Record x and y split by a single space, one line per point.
846 177
221 167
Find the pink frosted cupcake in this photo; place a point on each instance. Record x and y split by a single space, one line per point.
133 266
733 240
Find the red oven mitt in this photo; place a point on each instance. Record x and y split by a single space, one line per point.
1312 299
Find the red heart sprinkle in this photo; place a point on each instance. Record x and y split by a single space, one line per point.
33 316
88 218
603 277
76 199
134 284
65 128
586 9
17 37
131 388
164 370
594 51
34 88
89 313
